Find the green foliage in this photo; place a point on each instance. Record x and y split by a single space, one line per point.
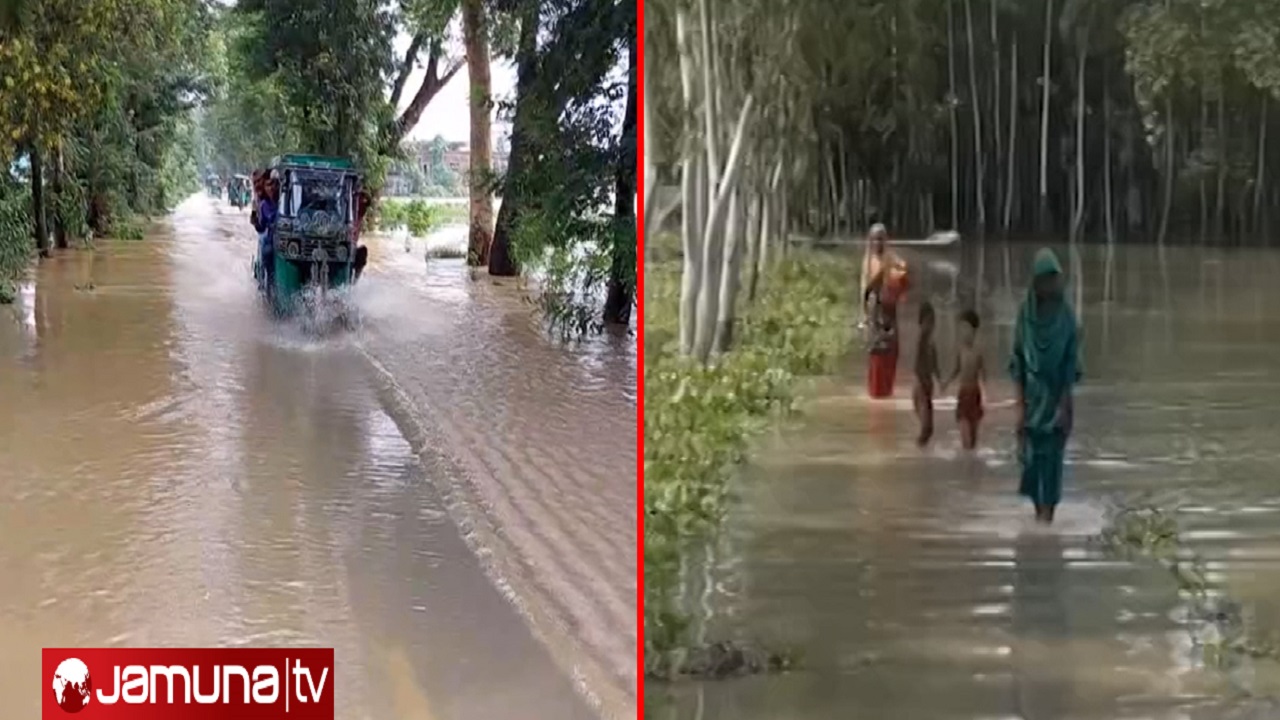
330 62
698 419
99 92
416 216
15 236
564 232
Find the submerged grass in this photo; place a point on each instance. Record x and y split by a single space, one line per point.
698 422
1222 629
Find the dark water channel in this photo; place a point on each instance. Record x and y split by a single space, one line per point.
914 584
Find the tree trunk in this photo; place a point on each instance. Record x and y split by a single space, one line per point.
710 84
59 186
979 187
501 262
692 194
757 216
1013 135
37 201
1169 178
475 30
952 100
730 274
691 186
996 107
1044 118
1259 193
1221 208
714 242
1107 210
1077 216
650 176
622 270
1168 157
1204 135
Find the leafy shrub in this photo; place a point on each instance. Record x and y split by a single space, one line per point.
417 216
698 420
16 244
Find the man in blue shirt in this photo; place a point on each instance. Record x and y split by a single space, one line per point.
266 227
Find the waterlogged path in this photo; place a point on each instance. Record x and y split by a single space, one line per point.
179 470
914 584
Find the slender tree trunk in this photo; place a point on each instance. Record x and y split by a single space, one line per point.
996 107
622 271
1221 208
784 213
1013 135
731 273
1168 156
1077 217
952 109
1044 118
37 201
650 175
1204 136
692 193
1259 188
59 186
756 217
1169 177
1108 214
714 242
979 188
501 262
711 127
475 30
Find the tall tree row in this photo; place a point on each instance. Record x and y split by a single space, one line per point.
338 88
1137 120
94 116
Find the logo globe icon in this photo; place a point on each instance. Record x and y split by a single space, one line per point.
71 685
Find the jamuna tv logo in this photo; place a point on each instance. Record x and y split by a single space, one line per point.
71 685
201 684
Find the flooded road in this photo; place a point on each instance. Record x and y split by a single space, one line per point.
914 584
178 470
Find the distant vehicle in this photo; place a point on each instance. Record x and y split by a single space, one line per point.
240 191
315 229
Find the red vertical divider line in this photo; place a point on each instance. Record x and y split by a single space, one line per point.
640 240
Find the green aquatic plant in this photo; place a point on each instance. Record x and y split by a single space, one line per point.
1223 630
446 252
698 420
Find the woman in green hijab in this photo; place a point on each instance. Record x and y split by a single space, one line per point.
1045 367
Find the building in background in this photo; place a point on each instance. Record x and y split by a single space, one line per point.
439 167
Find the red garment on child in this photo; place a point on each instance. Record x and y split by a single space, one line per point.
882 369
969 404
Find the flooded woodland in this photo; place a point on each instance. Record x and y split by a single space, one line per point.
181 469
914 583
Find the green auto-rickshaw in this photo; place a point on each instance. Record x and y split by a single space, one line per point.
314 229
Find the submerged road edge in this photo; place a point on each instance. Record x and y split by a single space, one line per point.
498 559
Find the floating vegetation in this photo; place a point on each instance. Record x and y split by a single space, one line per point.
698 424
446 252
719 661
1224 632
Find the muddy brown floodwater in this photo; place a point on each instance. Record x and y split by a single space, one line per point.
176 469
914 585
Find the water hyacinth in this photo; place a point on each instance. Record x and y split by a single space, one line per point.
698 421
